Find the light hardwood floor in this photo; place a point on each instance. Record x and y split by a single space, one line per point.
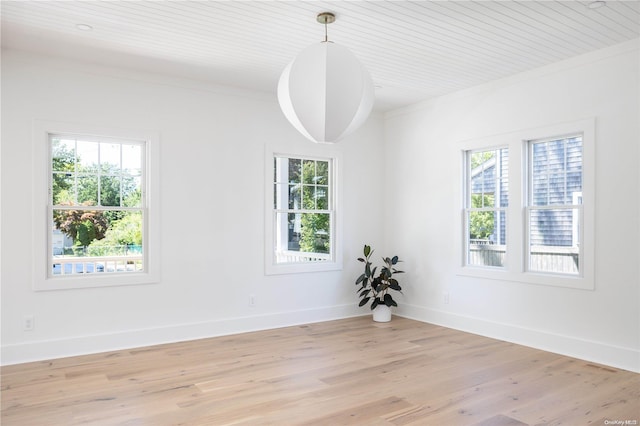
350 371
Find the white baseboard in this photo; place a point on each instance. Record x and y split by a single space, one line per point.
602 353
615 356
83 345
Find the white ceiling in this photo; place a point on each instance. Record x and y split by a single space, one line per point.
414 50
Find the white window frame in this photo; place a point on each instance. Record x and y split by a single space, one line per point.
42 279
468 209
516 260
530 206
334 262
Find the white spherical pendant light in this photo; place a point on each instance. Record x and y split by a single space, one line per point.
325 92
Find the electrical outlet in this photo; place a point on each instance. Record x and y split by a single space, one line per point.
252 300
446 297
28 323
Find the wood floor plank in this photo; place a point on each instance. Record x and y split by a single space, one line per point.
351 371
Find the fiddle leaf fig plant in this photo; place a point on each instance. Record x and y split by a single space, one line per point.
376 288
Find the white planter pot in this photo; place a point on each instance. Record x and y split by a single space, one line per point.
382 313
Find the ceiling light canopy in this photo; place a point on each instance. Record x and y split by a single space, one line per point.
596 4
325 92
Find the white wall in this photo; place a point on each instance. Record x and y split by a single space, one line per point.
213 258
601 325
212 170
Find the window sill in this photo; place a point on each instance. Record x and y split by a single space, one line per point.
302 267
79 281
536 278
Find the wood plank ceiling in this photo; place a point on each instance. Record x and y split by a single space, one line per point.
414 49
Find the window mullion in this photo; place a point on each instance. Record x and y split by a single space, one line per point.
564 174
75 171
120 179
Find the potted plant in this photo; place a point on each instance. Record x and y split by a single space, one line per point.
376 288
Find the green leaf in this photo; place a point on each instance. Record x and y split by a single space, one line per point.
388 300
367 250
385 273
360 259
374 303
360 279
364 301
376 284
393 284
365 292
367 269
394 260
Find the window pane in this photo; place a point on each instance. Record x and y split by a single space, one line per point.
482 226
556 171
481 158
557 193
488 174
540 190
322 197
110 191
123 236
132 160
110 157
314 232
96 238
63 154
295 169
574 185
276 168
293 239
487 236
308 199
306 237
322 171
554 240
308 171
88 190
295 197
88 158
503 200
132 191
483 200
63 189
63 167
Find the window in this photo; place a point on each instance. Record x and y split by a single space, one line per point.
97 206
485 211
302 214
99 202
302 210
554 205
528 206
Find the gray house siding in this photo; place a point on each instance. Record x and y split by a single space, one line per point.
557 168
557 171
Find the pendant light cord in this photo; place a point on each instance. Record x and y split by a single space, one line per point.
326 18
